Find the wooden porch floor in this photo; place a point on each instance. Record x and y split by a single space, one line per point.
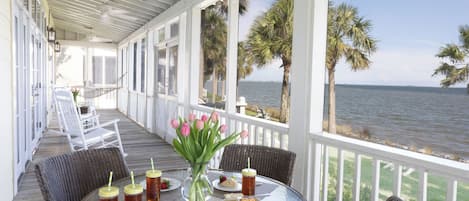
138 144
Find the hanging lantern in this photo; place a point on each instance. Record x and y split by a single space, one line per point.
57 47
51 35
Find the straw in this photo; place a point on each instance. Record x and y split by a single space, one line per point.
132 177
110 180
152 164
249 163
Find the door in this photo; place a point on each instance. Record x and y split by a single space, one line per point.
20 132
35 97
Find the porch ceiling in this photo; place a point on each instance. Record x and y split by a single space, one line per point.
111 19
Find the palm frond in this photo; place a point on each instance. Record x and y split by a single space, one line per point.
452 52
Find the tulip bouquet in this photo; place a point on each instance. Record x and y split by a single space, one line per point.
197 141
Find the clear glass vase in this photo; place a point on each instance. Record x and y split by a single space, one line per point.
197 186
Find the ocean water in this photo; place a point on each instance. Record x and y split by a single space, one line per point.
413 116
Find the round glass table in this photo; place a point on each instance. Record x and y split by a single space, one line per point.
267 189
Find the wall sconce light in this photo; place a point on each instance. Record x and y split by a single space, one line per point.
57 47
51 35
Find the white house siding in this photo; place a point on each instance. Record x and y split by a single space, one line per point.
6 102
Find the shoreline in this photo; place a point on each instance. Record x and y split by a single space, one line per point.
364 134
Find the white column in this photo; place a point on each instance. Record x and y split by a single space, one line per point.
6 87
232 56
307 92
194 33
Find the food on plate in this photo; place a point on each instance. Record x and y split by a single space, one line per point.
165 184
222 178
248 199
228 182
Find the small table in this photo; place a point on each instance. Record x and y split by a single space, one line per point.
269 190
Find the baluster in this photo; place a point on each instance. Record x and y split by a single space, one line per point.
422 194
272 138
452 190
252 134
325 173
282 141
258 134
397 179
246 127
340 174
375 181
265 137
356 181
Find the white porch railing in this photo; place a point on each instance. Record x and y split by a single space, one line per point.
354 151
261 132
451 171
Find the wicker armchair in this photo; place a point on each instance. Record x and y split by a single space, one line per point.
70 177
269 162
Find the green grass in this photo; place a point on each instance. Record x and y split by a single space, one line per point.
436 189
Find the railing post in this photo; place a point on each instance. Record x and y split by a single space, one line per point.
307 92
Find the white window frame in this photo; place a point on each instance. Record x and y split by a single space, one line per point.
167 43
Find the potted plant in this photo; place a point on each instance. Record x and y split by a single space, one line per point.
197 141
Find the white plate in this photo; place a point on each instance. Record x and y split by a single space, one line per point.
216 185
174 184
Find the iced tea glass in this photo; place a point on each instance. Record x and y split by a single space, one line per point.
108 193
133 192
153 178
249 181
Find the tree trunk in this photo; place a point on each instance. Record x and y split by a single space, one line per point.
285 99
223 88
201 73
331 124
214 85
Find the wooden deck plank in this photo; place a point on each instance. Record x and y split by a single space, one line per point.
139 144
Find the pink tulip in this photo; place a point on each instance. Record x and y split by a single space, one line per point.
204 118
199 124
223 128
174 123
191 117
244 134
214 116
185 130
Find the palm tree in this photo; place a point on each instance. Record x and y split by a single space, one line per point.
270 38
244 64
349 38
454 67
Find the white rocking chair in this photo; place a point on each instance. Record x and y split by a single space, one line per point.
81 138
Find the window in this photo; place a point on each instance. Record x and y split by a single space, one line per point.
104 70
121 76
134 72
166 54
174 29
97 63
161 70
110 70
161 35
142 66
213 42
173 66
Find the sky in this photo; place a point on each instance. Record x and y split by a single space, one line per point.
409 34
